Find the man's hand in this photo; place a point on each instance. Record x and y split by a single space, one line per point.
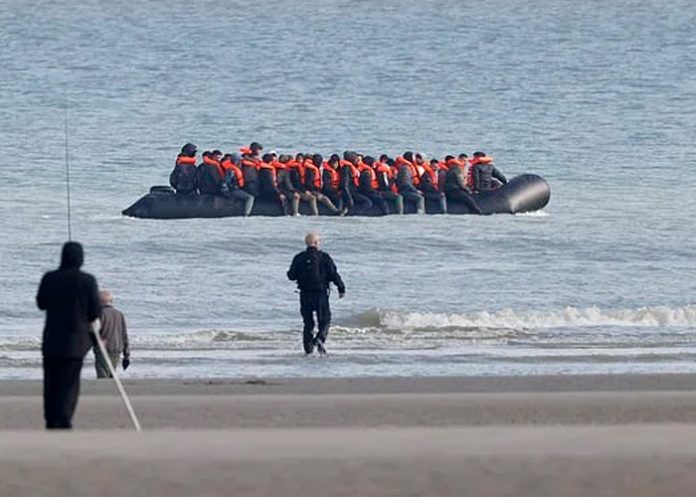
125 363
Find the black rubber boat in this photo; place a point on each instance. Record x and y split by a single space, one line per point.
524 193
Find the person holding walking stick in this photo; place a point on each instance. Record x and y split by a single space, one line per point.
70 298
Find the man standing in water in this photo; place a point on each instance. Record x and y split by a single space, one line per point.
71 300
314 271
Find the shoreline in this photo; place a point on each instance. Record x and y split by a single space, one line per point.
373 385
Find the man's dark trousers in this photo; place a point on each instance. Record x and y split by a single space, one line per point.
61 389
312 301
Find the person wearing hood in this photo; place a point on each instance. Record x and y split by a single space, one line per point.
233 182
70 298
184 176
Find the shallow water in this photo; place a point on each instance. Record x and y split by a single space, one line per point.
599 99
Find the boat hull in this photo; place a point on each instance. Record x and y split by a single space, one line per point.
524 193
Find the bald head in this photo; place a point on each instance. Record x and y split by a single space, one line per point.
106 297
312 239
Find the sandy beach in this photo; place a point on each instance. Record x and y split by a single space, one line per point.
525 436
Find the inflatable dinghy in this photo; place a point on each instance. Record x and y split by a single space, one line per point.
524 193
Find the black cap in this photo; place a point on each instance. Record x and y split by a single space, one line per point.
72 256
255 146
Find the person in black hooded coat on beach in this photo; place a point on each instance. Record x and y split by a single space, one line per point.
70 298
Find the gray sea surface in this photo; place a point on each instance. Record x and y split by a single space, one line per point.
597 97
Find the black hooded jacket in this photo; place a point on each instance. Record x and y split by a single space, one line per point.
483 177
70 298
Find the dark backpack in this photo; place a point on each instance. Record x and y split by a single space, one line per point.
310 271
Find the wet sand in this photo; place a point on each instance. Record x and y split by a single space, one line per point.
533 436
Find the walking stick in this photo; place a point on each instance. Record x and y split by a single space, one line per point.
112 370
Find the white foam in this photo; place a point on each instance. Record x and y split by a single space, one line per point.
658 316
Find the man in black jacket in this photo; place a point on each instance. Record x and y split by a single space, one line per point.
71 300
314 271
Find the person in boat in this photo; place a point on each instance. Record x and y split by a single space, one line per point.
233 183
255 149
369 186
484 172
290 174
312 183
407 180
268 183
296 172
184 177
331 183
356 202
456 186
211 174
386 185
430 184
314 271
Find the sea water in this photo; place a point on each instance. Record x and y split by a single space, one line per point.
597 97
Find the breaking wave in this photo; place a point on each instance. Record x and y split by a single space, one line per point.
657 316
650 326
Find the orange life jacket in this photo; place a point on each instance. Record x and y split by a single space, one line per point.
401 162
212 162
248 162
354 171
382 168
228 165
185 161
245 150
269 167
293 164
427 169
309 166
373 177
335 183
481 160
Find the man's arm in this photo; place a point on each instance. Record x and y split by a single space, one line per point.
345 185
41 296
292 272
499 176
333 275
